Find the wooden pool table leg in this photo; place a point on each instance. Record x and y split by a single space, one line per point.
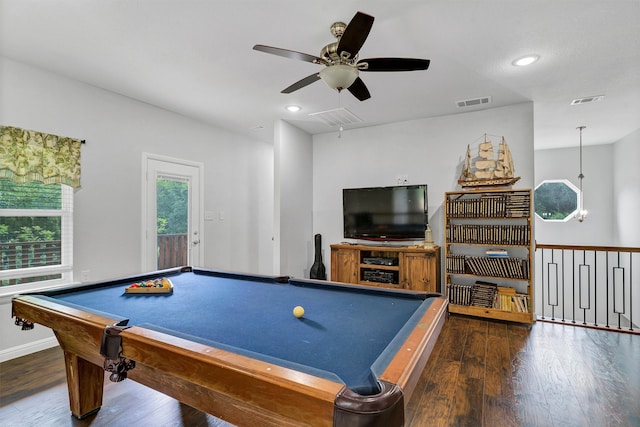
85 382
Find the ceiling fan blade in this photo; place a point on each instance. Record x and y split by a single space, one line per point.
359 90
292 54
302 83
355 34
394 64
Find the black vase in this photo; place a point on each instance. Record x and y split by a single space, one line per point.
317 269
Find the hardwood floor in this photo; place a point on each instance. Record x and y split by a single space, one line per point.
485 373
481 373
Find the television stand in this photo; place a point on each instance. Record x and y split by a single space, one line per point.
399 267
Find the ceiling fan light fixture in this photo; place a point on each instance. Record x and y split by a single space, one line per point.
525 60
581 214
341 61
339 76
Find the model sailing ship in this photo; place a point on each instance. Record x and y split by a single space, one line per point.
486 170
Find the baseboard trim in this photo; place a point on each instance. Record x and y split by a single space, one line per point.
23 350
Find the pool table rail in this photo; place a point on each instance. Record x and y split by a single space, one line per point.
247 386
409 362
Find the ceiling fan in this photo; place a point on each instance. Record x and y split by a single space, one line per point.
340 58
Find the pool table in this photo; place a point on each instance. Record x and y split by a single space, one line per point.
229 344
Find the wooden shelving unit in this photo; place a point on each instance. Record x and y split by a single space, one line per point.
401 267
488 254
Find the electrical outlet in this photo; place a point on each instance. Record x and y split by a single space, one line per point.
402 179
84 275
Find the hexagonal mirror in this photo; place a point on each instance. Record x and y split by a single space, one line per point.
556 200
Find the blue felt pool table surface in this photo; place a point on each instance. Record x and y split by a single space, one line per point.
347 334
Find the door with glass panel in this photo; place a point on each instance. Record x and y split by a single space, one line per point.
172 213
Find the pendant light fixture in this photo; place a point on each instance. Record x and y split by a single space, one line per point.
582 212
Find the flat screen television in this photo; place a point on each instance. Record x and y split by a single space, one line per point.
385 213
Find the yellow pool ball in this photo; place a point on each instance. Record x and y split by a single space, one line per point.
298 311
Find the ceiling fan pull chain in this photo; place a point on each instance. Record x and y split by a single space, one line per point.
340 106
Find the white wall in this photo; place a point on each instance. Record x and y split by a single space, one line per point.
598 189
626 183
107 216
293 200
430 151
626 199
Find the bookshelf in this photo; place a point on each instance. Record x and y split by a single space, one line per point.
488 254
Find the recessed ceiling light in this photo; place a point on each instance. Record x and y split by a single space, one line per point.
293 108
525 60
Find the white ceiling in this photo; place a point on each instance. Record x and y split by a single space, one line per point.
195 57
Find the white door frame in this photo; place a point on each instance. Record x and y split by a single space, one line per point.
196 219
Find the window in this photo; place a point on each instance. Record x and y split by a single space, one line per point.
36 234
556 200
172 210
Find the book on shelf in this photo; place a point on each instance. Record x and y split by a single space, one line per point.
483 294
488 234
504 299
512 205
497 253
513 268
488 295
521 303
455 264
459 294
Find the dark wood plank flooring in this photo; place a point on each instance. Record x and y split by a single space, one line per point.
481 373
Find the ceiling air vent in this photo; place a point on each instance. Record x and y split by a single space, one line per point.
474 102
337 117
587 100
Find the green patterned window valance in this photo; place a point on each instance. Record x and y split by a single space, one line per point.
27 156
